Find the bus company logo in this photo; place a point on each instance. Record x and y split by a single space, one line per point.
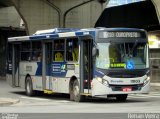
63 67
56 68
117 81
9 116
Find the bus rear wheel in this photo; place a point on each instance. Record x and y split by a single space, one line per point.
29 87
75 93
121 97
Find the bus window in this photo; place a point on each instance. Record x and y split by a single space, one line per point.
58 52
39 57
114 53
26 51
59 44
75 51
72 51
36 51
59 56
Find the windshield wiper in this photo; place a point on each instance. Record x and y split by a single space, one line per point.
135 44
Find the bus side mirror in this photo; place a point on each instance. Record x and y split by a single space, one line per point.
95 52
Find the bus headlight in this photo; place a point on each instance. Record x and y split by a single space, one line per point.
99 79
103 81
146 80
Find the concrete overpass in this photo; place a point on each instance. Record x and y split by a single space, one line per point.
44 14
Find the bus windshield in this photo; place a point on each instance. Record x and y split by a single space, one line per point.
122 55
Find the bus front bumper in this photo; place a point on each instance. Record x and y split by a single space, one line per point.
99 89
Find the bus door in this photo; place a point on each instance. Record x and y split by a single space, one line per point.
47 60
15 64
85 65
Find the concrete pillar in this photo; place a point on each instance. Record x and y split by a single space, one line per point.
157 7
46 14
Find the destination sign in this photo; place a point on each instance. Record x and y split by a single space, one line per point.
119 35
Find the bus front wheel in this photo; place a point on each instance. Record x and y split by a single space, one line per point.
29 87
75 93
121 97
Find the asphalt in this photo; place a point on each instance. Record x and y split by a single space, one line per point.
155 87
5 101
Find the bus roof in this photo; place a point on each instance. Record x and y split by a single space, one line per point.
66 32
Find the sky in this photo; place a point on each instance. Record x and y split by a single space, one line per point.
120 2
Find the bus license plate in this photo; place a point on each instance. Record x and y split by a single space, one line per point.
127 89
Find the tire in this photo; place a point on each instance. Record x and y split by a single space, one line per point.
121 97
75 93
29 87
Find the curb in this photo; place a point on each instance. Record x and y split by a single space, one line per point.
8 101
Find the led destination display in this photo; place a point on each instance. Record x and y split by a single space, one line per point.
119 34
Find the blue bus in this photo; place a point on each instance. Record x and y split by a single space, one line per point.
95 62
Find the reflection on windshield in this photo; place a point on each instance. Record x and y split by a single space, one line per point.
122 55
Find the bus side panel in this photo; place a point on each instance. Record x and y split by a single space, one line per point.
49 83
36 80
9 76
37 83
54 84
34 70
22 81
63 85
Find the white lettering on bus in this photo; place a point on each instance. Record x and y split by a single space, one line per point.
120 35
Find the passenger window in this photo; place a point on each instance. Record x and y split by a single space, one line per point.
26 51
58 52
36 51
72 49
